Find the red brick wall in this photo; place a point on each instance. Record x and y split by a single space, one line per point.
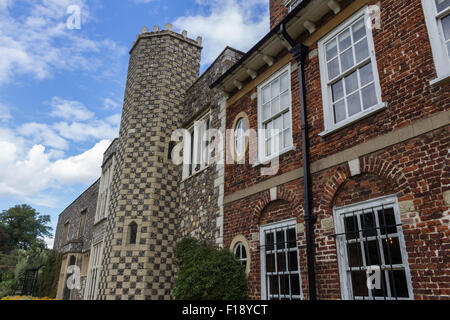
416 170
277 12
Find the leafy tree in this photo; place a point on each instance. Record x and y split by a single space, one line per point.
207 273
23 226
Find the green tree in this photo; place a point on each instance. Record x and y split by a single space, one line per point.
23 226
207 273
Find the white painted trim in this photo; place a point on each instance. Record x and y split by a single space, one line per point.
341 250
330 125
440 55
261 139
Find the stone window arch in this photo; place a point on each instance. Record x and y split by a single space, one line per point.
240 246
132 233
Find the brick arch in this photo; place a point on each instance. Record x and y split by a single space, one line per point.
385 170
283 194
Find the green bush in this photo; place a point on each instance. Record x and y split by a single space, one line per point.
207 273
48 281
8 288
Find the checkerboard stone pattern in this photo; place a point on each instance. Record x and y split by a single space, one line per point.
163 64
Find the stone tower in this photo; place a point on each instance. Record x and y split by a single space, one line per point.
163 65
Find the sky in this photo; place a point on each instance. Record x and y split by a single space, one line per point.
63 66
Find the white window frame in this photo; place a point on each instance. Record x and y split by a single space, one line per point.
241 259
262 158
94 269
200 144
291 4
389 202
104 193
435 33
283 224
327 98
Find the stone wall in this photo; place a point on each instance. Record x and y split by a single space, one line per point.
145 183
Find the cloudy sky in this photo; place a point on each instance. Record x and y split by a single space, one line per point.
61 88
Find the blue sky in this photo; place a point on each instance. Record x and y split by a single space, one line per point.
61 89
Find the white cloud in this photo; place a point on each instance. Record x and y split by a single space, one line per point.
81 131
37 42
42 133
70 110
236 23
30 171
5 113
49 242
109 104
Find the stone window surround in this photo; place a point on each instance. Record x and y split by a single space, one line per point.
244 241
329 123
186 175
440 56
241 115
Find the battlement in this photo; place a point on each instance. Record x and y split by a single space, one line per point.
168 30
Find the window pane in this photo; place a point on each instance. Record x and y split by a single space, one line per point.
345 40
293 261
266 94
339 111
269 241
359 283
331 49
366 74
276 105
266 111
284 285
372 253
273 285
333 68
269 147
359 30
284 100
292 238
287 137
368 224
391 249
338 90
275 88
347 60
278 125
287 120
351 227
382 291
284 82
354 104
387 221
369 96
270 262
237 252
355 255
280 240
398 277
361 50
351 83
295 285
442 4
244 252
281 261
446 27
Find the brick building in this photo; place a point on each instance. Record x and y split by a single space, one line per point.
336 152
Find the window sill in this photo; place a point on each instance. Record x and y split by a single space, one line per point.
440 80
349 122
267 161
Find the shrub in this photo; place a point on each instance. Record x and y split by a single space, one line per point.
207 273
48 281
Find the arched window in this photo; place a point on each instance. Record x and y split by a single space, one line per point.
240 253
132 229
240 137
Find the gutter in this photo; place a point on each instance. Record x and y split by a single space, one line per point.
299 52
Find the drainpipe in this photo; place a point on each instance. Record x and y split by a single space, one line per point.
299 52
